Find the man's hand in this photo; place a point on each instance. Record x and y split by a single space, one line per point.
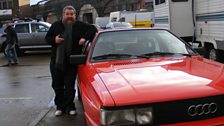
58 39
82 41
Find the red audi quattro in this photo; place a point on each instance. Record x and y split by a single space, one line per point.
148 77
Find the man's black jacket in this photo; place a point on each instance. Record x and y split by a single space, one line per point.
11 36
79 30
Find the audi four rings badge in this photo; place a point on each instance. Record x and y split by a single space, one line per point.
202 109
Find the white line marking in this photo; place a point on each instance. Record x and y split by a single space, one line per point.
17 98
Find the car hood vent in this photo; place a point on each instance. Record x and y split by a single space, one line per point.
126 63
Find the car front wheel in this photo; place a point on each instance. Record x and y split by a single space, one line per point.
19 51
214 54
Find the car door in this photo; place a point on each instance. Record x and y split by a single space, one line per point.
39 32
23 34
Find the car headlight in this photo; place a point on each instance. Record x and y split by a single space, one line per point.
144 116
140 116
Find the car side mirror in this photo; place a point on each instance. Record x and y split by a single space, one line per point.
78 59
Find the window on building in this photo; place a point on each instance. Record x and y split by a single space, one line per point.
10 6
157 2
4 4
1 5
149 6
120 7
162 1
124 7
132 7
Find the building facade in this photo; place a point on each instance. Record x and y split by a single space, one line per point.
88 10
9 9
25 9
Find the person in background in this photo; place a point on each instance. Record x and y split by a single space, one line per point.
51 18
1 25
66 38
11 39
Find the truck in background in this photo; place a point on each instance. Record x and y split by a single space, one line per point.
102 22
138 19
196 21
209 16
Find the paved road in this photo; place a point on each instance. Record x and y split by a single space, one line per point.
26 94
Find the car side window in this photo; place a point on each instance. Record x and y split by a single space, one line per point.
38 28
22 28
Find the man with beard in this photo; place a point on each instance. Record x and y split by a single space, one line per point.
66 38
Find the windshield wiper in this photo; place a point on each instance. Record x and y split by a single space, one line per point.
165 54
106 56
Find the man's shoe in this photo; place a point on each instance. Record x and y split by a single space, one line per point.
72 112
58 113
15 63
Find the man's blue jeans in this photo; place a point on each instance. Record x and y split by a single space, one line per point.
11 55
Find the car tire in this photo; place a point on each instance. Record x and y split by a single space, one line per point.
19 52
213 54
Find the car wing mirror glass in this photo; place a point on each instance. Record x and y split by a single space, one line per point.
78 59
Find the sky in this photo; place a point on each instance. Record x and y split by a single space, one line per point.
32 2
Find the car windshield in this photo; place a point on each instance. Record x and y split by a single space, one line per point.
140 43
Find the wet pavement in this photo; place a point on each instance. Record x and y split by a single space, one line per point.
65 120
26 94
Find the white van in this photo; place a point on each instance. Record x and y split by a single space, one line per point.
102 21
199 21
138 19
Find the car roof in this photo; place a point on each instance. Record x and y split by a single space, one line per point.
30 22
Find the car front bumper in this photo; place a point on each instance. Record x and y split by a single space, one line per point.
218 121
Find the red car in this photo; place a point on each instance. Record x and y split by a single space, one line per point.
148 77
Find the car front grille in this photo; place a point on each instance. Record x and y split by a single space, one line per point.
188 110
126 63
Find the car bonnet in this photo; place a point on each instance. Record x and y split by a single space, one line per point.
160 79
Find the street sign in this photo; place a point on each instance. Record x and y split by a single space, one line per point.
6 12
